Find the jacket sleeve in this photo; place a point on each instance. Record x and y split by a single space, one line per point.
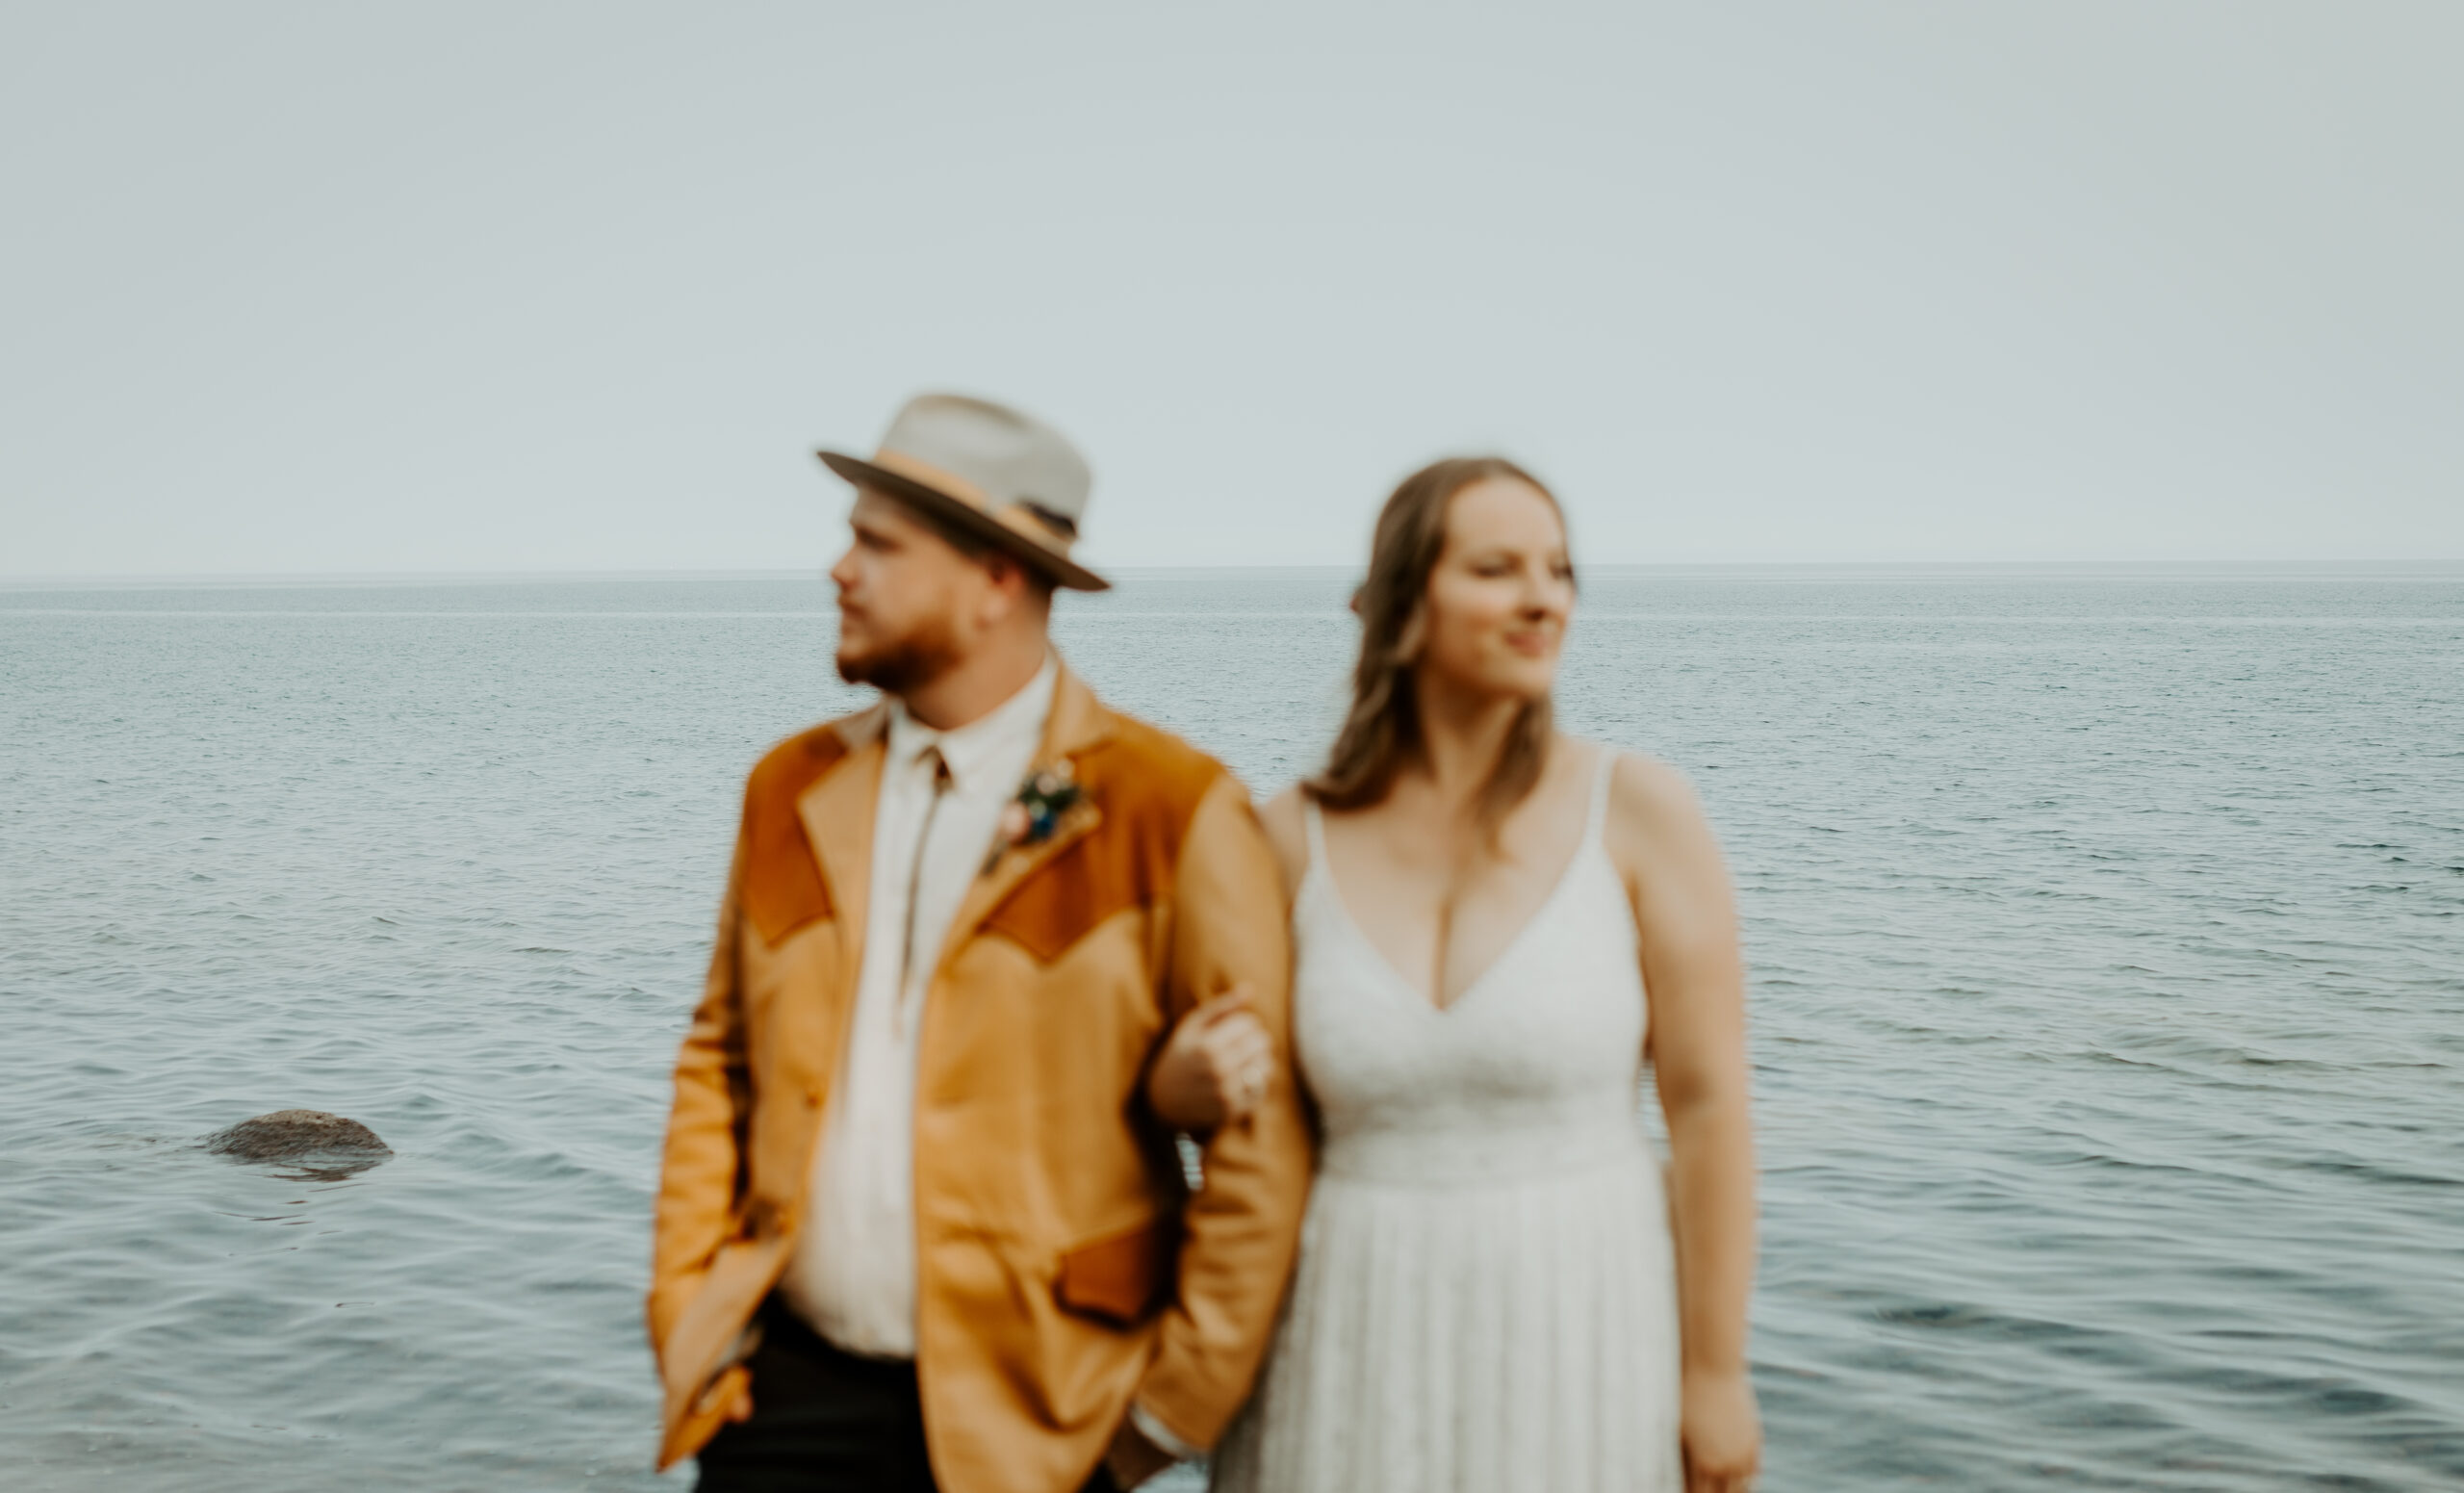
1239 1231
702 1168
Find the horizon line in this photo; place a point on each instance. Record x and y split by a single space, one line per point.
140 579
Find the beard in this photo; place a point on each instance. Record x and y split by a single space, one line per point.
901 664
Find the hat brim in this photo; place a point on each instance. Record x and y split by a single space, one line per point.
966 518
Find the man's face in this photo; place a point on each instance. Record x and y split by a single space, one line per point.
909 602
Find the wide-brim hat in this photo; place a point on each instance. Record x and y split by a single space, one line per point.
991 472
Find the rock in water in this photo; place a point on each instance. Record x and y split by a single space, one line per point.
307 1136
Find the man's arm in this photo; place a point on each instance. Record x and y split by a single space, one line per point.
1200 1079
700 1170
1230 928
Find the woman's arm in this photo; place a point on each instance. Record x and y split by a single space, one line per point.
1695 977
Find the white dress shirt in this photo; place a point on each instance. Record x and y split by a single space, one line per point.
853 1277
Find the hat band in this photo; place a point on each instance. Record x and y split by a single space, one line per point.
1018 518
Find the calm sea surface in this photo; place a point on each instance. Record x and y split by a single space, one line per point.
2108 934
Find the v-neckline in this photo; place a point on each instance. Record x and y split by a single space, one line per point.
1326 869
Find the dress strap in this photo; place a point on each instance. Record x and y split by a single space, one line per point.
1595 830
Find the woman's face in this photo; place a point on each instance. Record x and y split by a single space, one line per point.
1502 592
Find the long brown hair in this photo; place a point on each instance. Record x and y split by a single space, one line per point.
1381 734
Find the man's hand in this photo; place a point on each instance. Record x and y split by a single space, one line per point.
1215 1067
1132 1459
1722 1434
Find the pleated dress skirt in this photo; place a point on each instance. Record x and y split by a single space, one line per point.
1512 1333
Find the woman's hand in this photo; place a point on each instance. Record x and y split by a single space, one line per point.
1721 1432
1215 1067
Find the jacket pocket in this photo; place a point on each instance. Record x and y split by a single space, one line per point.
703 1350
1121 1277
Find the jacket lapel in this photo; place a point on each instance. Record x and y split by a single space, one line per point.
1078 722
837 815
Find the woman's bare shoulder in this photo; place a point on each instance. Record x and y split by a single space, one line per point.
1640 783
1288 832
1653 812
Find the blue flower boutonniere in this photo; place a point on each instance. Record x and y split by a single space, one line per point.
1031 817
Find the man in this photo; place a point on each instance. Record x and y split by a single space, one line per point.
917 1226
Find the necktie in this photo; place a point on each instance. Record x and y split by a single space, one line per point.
932 761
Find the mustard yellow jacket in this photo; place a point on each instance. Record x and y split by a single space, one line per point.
1063 1267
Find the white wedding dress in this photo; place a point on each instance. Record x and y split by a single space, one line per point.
1485 1299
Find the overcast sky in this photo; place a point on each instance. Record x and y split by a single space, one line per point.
349 288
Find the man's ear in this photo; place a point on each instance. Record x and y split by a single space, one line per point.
1010 584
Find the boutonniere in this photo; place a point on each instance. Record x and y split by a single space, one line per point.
1031 817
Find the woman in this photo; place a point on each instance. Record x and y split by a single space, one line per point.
1494 925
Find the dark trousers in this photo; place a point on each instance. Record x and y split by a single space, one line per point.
825 1421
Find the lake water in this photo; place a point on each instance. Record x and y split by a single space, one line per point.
2107 927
